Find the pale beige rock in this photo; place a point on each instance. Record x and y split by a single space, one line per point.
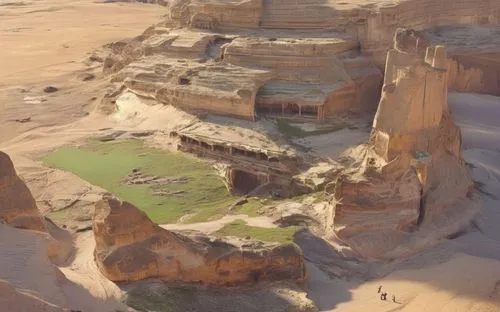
419 15
252 74
129 246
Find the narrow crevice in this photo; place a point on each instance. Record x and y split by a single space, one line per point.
421 209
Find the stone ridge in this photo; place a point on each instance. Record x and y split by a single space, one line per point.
129 246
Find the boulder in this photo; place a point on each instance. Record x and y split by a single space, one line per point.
129 246
17 205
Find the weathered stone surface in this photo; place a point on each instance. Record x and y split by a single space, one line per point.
129 246
17 205
255 73
18 209
301 59
409 186
474 57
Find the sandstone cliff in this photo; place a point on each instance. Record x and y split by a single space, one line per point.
129 246
17 205
18 209
302 59
409 186
195 60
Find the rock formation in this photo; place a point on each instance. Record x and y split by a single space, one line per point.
410 182
18 209
17 205
205 66
129 246
302 59
474 63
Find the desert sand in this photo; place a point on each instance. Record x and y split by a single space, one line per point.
43 43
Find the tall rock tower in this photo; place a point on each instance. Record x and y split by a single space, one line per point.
409 186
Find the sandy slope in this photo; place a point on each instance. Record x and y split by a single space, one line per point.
477 116
462 283
42 43
24 264
213 226
42 39
102 294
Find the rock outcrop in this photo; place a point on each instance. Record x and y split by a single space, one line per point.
409 186
17 205
376 35
474 63
129 246
302 59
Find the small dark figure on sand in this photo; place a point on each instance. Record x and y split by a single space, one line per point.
383 296
379 289
394 298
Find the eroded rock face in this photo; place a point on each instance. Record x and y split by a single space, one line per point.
314 59
129 246
194 60
17 205
409 186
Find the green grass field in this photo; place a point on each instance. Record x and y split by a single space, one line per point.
105 164
240 228
292 131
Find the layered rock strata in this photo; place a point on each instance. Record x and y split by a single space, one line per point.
474 57
249 74
409 186
17 205
295 59
368 22
129 246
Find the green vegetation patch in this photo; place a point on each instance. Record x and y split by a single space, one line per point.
253 206
240 228
192 186
292 131
171 297
167 299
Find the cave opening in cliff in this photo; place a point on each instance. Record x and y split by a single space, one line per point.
288 110
244 182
